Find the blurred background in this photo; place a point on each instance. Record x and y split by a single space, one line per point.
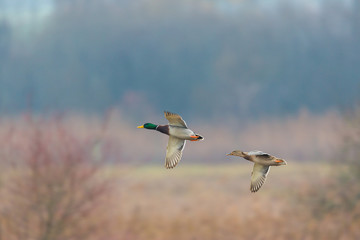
77 77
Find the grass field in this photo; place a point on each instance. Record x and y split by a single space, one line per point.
214 202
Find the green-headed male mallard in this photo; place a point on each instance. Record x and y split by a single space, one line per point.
178 132
262 162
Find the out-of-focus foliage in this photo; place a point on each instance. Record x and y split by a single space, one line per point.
215 58
55 172
341 193
52 185
350 154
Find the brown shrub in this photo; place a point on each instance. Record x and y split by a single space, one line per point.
52 187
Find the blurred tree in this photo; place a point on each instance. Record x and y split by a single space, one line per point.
5 42
53 189
190 56
340 193
5 46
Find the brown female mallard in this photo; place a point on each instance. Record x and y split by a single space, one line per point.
178 132
262 162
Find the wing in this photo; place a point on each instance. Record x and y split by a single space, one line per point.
258 153
175 119
174 151
258 176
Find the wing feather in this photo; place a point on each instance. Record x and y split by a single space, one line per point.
258 153
175 119
174 151
258 176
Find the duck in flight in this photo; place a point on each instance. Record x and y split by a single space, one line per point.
178 132
262 162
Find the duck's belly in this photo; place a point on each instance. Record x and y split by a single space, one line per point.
180 132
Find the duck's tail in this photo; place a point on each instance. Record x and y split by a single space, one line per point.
199 137
196 138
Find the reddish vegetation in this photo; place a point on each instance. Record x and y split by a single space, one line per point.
63 179
51 184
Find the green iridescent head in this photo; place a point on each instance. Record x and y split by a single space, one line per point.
148 126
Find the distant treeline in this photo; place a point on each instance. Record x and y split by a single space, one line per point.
210 57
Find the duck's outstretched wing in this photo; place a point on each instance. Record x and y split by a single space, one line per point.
175 119
174 151
258 176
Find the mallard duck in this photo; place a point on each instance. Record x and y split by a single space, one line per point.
178 132
262 162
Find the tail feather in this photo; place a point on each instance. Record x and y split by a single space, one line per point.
199 137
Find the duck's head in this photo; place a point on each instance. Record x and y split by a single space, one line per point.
236 153
279 161
148 126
